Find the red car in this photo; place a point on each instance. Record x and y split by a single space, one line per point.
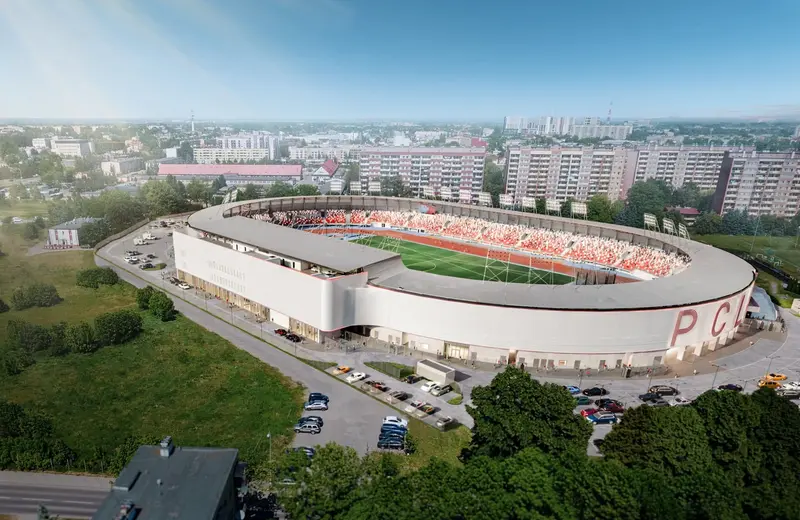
612 407
280 332
589 411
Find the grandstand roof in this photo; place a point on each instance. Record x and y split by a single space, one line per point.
713 274
339 255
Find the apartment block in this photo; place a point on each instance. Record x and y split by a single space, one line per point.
562 173
256 140
458 171
71 147
678 165
41 143
760 183
322 153
221 155
618 132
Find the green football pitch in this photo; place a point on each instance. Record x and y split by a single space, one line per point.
461 265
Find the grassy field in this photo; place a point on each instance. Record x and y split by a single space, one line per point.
23 208
176 378
460 265
434 443
778 248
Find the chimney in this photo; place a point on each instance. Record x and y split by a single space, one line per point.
167 447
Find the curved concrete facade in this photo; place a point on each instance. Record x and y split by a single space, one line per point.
640 323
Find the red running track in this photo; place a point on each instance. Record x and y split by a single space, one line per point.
472 249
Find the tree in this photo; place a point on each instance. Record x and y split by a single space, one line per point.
393 186
80 339
30 231
249 192
3 307
143 296
516 412
161 306
650 196
18 191
708 223
737 222
600 209
687 196
34 295
113 328
162 198
306 190
27 337
493 181
351 175
197 191
92 233
279 189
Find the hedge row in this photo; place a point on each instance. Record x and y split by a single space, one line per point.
34 295
94 277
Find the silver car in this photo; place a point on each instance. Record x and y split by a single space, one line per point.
441 390
307 428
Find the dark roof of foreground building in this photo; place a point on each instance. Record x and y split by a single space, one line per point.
189 483
76 223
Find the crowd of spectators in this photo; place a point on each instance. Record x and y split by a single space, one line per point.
581 248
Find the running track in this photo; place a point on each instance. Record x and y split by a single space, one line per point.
554 264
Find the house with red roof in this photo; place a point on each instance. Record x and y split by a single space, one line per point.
326 171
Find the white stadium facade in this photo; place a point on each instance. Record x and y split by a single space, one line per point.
319 286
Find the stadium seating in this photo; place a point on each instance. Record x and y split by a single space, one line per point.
573 247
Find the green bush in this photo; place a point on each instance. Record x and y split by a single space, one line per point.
161 306
34 295
3 307
27 337
30 231
80 339
113 328
39 222
456 400
143 296
96 276
15 361
58 344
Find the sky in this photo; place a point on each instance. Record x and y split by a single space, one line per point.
422 60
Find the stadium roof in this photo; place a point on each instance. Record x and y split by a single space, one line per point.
335 254
256 170
187 484
714 274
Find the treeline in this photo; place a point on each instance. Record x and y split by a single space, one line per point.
739 222
727 456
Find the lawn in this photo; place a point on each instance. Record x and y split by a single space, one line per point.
429 259
771 248
175 379
432 442
23 208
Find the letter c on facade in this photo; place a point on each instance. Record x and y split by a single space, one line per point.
714 331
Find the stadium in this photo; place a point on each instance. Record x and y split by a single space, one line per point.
467 282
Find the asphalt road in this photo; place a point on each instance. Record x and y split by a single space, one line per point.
353 418
64 495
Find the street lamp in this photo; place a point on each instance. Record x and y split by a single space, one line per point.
715 374
269 436
769 366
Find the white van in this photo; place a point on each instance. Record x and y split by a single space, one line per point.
139 242
149 236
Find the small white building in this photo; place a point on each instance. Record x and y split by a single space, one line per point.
122 166
68 233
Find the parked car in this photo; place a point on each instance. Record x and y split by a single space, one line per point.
414 405
393 428
391 436
663 390
428 386
769 383
413 379
151 256
789 393
427 408
356 377
294 338
649 396
341 370
393 419
391 445
316 405
399 395
658 403
582 400
147 265
316 396
730 386
316 419
441 390
444 422
307 428
169 234
380 386
603 402
281 332
612 407
307 450
775 377
595 390
603 418
184 286
589 411
572 389
174 281
679 401
793 385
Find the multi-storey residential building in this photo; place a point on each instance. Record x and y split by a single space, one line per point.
256 140
759 183
40 143
562 173
322 153
71 147
608 131
677 166
122 166
204 155
457 170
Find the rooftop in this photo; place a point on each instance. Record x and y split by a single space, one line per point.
76 223
187 484
423 150
255 170
332 253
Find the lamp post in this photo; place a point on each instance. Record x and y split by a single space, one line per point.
769 366
269 436
714 380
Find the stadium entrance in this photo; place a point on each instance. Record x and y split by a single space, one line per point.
456 350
